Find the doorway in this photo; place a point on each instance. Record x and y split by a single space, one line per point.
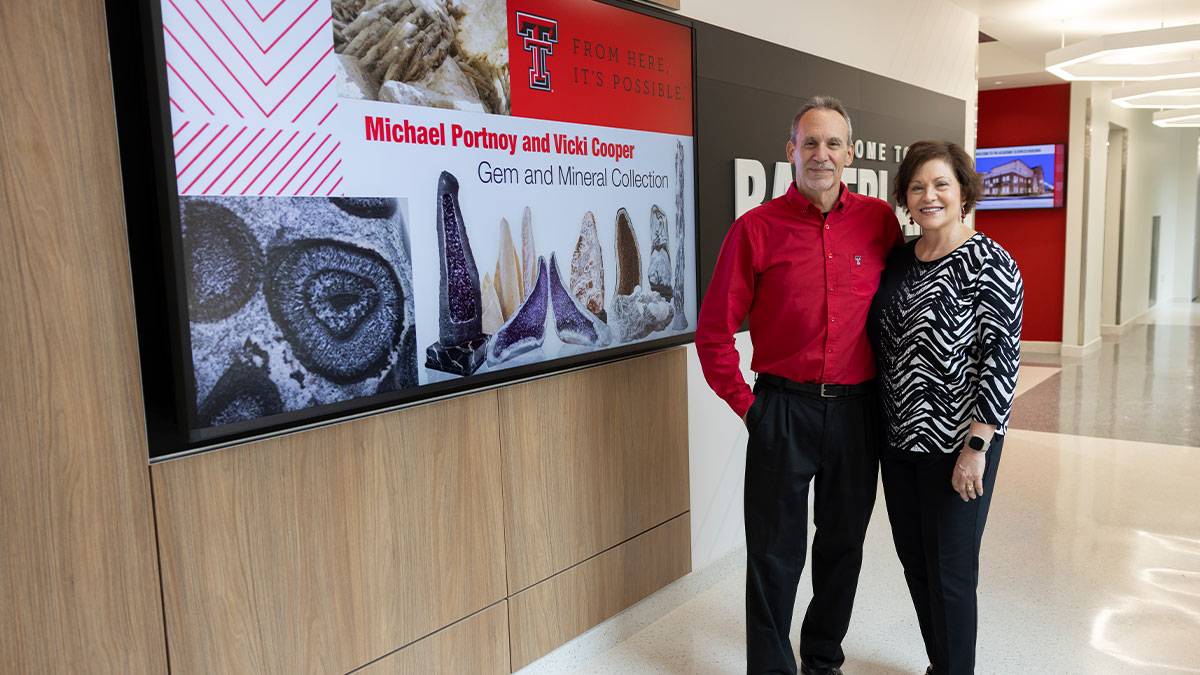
1155 237
1196 234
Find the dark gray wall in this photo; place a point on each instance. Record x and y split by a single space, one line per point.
747 91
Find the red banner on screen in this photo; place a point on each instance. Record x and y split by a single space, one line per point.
587 62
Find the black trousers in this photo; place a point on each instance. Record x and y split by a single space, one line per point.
937 537
796 439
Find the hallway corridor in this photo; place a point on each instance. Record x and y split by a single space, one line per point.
1091 561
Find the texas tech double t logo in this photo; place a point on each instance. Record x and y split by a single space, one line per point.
538 35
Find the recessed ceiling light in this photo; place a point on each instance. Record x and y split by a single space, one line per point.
1171 94
999 81
1171 119
1158 54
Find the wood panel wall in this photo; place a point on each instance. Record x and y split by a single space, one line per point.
477 645
332 548
591 459
553 611
78 581
323 550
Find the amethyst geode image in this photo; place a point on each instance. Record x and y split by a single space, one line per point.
526 329
574 323
462 346
296 302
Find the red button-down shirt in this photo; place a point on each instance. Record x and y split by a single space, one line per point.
806 280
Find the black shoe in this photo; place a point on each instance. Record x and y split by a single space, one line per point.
929 670
805 670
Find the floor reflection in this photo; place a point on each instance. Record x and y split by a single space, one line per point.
1149 635
1143 385
1090 564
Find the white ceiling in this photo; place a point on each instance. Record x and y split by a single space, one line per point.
1026 29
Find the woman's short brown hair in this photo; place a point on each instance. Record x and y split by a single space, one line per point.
923 151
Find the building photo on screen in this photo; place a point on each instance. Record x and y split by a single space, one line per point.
380 202
1021 177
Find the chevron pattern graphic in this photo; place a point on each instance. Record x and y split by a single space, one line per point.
230 159
251 89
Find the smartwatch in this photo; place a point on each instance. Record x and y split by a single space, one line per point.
977 444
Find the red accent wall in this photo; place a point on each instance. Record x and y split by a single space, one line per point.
1036 238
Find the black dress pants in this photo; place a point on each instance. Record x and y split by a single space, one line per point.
937 537
797 438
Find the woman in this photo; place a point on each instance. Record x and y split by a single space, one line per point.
946 327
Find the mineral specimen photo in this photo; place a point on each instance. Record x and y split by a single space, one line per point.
450 54
528 307
680 322
461 345
526 329
572 320
296 302
510 277
638 311
587 268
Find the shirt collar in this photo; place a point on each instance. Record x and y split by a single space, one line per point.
801 202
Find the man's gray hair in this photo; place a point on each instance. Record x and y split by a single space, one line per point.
823 103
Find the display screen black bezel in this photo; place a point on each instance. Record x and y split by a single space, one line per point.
156 252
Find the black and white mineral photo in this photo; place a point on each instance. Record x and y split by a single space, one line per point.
450 54
296 302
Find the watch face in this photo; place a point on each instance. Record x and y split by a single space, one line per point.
975 443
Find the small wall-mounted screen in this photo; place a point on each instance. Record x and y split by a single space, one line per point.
1021 177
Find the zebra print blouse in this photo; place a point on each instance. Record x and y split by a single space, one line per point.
947 339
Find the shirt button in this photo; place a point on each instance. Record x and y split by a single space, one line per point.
829 255
830 351
832 320
827 227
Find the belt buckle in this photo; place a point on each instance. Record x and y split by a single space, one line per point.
823 394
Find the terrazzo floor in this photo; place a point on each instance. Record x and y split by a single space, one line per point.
1090 564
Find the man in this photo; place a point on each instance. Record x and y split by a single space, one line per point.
804 267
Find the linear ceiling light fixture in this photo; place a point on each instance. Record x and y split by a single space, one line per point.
1174 119
1158 54
1170 94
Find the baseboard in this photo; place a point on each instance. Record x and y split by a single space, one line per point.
1084 350
1114 329
1041 347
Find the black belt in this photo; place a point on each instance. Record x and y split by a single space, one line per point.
817 389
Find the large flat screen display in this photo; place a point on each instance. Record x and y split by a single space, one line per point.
370 203
1021 177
